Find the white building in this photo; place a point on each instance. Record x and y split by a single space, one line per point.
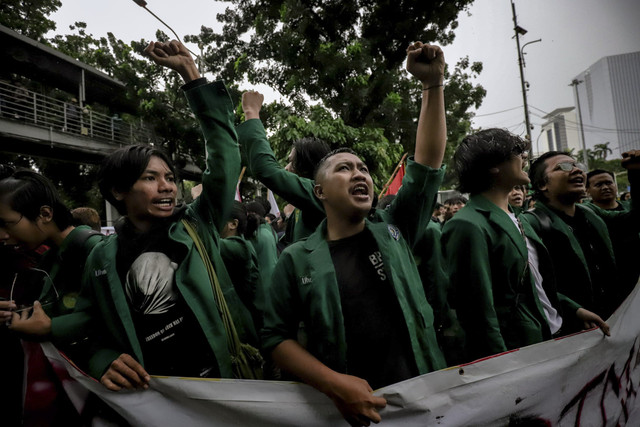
558 133
608 93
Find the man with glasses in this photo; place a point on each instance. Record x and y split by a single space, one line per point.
577 235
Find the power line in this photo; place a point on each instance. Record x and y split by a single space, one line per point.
497 112
591 126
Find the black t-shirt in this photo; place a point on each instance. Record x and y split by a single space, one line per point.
378 344
170 336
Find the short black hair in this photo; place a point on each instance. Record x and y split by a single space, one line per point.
309 152
239 212
599 172
481 151
26 192
122 168
456 200
256 206
6 171
537 173
255 217
328 156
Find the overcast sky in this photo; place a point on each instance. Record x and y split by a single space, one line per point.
575 34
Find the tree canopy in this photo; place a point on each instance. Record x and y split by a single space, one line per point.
347 57
29 17
339 66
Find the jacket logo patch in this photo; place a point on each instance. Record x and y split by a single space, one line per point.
99 273
305 280
394 231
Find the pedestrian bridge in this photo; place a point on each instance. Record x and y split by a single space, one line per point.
31 123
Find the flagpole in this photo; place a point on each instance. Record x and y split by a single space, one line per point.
238 196
393 175
244 169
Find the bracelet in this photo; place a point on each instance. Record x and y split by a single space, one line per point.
431 87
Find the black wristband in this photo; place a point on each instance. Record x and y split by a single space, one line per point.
431 87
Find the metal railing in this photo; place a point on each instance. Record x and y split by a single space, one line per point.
18 103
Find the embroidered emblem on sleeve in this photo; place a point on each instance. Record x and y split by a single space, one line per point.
394 231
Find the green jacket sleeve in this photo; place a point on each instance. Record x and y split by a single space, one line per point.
469 268
213 108
412 207
263 166
282 301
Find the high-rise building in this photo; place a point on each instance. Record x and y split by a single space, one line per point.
608 94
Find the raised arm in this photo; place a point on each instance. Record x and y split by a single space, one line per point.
426 63
174 56
214 110
263 164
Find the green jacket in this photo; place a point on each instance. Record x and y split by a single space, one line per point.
572 270
432 267
492 289
241 261
304 286
65 265
264 242
625 241
105 300
294 189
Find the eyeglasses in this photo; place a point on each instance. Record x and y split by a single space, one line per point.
10 224
30 286
568 166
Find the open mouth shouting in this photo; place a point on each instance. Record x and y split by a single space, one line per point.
360 192
165 203
578 179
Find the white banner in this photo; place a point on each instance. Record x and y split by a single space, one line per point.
585 379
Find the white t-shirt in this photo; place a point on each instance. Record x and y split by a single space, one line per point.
554 320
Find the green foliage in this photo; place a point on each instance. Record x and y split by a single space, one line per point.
601 151
339 66
369 142
348 57
29 17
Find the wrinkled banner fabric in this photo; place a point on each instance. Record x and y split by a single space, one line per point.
584 379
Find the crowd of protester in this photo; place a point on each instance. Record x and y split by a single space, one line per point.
341 291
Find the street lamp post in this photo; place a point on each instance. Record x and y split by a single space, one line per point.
143 4
585 158
521 31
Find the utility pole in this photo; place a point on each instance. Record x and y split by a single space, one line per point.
585 158
521 31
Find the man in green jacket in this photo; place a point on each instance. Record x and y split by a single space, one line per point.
147 292
502 281
577 236
353 282
602 187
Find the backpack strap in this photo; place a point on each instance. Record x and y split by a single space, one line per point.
543 219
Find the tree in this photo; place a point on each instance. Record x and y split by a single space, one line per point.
29 17
601 151
288 125
348 56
